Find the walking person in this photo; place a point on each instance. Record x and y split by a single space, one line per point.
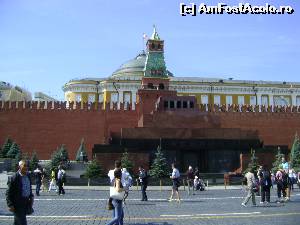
293 177
176 183
19 195
52 181
250 188
61 174
280 186
265 183
190 179
118 213
287 185
127 183
38 180
44 180
143 179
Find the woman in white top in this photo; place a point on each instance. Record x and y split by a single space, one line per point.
176 182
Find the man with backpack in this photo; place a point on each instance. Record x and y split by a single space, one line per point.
265 183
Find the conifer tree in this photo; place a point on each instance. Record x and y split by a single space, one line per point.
295 154
81 153
277 163
93 170
13 151
34 161
253 164
126 162
55 159
159 168
5 148
64 153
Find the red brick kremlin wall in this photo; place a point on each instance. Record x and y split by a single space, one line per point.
43 130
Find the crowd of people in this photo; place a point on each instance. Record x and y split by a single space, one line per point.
19 194
261 182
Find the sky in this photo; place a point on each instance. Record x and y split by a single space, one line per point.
44 44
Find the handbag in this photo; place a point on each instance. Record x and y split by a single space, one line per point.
29 209
113 193
109 205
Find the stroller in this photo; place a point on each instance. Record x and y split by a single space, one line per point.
199 184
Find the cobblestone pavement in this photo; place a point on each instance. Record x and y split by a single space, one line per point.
207 207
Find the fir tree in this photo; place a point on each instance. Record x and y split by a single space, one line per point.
55 159
126 162
253 165
159 167
13 151
64 156
34 161
277 163
295 154
5 148
16 160
81 153
93 170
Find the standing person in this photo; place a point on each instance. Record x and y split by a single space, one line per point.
118 213
285 165
127 183
293 177
143 179
190 179
19 195
38 180
280 186
176 182
44 180
250 185
265 183
60 180
286 185
52 181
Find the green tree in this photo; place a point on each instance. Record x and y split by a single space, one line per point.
159 167
64 156
253 164
126 162
34 161
295 154
16 160
81 153
277 163
55 160
5 148
93 170
13 151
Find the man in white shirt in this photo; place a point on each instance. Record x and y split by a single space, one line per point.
176 182
250 185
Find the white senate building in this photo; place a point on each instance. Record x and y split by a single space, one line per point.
122 86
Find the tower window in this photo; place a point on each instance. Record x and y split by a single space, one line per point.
161 86
152 46
150 86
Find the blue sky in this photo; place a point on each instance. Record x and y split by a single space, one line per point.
44 44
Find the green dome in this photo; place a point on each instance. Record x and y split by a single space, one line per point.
134 67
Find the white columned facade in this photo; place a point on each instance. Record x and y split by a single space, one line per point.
271 99
133 95
120 100
258 100
294 99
